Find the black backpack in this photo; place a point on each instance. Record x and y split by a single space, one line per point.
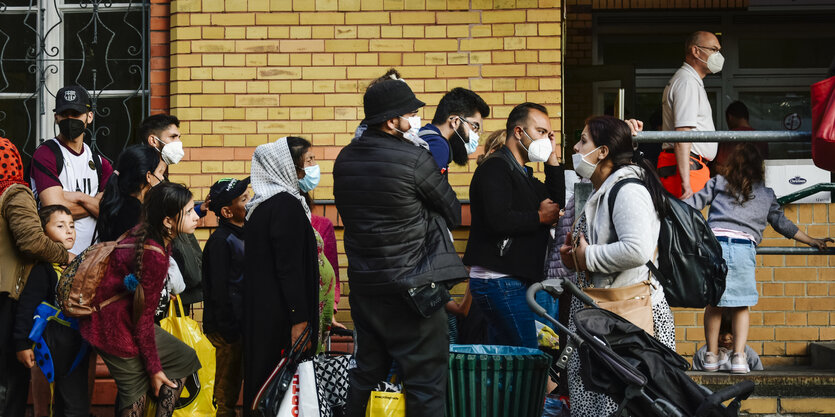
690 264
59 162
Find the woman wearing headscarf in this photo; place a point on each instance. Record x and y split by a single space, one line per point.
22 244
281 279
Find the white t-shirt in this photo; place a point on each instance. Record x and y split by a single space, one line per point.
685 104
79 174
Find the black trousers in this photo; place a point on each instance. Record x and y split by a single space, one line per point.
387 329
14 377
70 396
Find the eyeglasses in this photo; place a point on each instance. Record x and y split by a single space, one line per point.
709 48
476 127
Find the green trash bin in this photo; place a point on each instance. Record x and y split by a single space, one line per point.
496 381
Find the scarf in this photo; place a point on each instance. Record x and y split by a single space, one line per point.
11 167
273 172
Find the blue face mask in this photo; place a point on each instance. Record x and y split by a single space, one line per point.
311 178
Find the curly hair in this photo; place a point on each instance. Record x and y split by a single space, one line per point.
743 170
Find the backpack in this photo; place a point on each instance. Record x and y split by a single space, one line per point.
78 283
690 264
59 164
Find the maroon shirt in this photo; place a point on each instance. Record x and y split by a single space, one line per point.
111 330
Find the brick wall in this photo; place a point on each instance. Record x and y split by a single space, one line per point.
160 26
247 72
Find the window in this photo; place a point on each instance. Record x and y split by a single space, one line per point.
98 44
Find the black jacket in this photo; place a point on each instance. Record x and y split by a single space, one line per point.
281 285
504 203
223 273
185 249
397 209
39 288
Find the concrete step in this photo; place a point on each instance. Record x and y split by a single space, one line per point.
783 392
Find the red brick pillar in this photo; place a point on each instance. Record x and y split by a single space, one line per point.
159 59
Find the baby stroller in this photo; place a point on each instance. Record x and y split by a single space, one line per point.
622 361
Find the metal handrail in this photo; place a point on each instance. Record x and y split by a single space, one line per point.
797 195
724 136
794 250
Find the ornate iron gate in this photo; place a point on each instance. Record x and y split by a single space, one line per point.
101 45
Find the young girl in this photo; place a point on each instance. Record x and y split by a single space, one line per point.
66 353
740 207
140 355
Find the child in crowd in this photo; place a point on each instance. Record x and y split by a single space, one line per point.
40 325
726 347
145 361
740 207
223 272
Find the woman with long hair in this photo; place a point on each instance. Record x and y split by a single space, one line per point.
142 358
281 277
138 169
741 207
612 249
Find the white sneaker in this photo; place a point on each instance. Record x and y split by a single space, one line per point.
711 362
739 364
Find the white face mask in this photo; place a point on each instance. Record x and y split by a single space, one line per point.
171 152
414 127
582 167
714 62
472 139
539 149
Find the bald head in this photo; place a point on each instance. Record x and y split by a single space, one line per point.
699 38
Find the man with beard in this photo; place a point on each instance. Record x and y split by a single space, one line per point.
453 134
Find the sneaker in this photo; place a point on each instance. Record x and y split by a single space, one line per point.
739 364
711 362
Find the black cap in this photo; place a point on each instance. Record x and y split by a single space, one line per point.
388 99
74 97
224 191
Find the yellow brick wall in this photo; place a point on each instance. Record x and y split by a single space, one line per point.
247 72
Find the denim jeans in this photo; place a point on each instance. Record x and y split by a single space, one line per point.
509 319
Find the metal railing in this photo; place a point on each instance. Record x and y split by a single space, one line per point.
724 136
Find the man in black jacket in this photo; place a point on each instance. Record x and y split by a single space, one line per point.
512 212
397 210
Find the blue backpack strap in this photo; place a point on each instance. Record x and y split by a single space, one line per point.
45 313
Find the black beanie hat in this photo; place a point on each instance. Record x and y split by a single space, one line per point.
388 99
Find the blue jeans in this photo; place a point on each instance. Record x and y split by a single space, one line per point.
509 319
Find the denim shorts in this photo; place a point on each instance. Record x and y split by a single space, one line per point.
741 282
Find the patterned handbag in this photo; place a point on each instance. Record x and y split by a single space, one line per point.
332 376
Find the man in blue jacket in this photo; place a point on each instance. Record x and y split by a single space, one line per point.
453 134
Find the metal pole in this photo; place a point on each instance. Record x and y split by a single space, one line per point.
619 106
724 136
774 250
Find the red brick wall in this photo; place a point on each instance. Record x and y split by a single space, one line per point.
160 27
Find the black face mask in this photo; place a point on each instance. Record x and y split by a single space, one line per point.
71 128
458 147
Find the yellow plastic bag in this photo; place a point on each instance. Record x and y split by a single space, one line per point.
188 330
386 404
